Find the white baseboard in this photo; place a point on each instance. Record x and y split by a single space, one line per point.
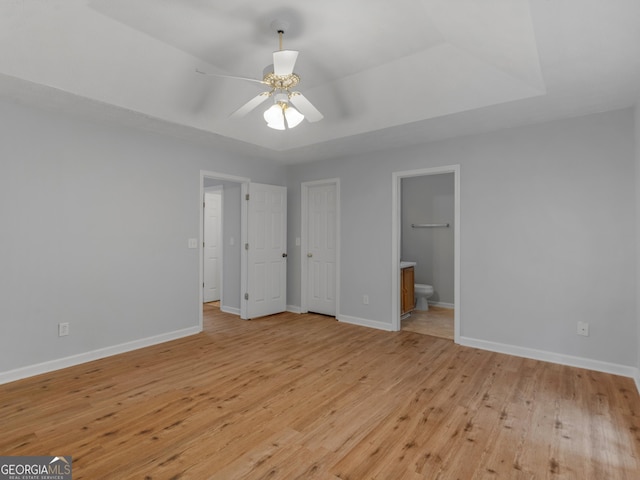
637 379
231 310
52 365
363 322
443 305
294 309
552 357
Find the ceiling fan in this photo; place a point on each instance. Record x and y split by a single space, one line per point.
289 107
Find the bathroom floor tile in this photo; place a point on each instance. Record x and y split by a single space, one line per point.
437 322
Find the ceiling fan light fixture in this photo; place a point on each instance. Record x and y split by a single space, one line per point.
282 116
289 107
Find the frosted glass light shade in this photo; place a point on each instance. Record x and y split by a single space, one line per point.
293 116
276 114
275 117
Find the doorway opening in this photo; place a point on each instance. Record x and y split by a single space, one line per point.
222 261
415 230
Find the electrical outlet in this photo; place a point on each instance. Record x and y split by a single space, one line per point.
365 299
63 329
583 329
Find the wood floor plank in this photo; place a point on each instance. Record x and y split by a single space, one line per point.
305 397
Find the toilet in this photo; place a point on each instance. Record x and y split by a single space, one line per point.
422 293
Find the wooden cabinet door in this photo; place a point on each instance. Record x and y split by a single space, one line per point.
407 281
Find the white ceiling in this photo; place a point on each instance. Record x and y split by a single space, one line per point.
383 73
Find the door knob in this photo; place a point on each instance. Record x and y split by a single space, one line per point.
309 255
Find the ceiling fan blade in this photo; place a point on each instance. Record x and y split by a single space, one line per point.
310 112
250 105
284 61
231 76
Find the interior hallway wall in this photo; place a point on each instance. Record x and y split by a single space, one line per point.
231 241
637 179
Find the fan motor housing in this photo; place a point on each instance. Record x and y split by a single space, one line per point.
284 82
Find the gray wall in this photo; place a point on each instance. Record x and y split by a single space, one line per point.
430 199
547 233
95 221
637 138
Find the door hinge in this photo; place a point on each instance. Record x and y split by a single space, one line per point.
246 197
246 296
246 246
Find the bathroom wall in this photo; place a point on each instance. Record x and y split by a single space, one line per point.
430 199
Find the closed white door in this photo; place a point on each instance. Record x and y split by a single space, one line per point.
266 250
321 249
212 246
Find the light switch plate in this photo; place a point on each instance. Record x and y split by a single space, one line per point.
193 243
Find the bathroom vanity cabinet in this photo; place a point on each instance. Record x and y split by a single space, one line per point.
406 290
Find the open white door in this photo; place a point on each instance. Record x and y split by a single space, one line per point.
266 250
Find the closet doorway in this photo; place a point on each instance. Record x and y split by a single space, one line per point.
320 261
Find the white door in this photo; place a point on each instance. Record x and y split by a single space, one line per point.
266 250
212 246
321 249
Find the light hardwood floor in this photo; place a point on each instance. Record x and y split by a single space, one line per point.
305 397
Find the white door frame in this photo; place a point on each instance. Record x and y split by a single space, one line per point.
304 240
244 183
396 244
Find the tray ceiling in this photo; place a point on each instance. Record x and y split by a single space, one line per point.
385 72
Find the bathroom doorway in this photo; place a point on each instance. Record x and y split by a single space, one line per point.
425 233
